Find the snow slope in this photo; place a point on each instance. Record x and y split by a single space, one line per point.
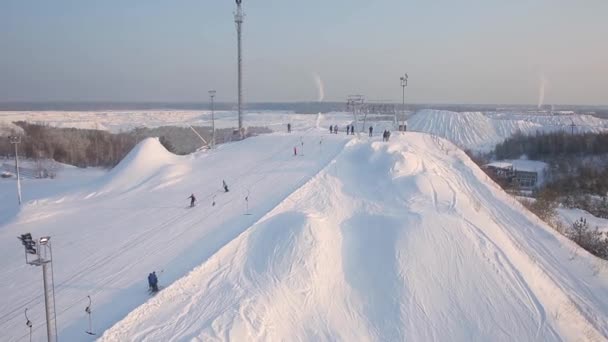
110 233
390 242
479 131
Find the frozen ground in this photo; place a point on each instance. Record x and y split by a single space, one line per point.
355 240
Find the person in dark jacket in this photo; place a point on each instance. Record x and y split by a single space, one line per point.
371 130
347 130
288 128
225 186
153 282
192 200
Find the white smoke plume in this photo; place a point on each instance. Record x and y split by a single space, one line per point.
320 87
541 91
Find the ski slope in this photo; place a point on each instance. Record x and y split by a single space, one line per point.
406 240
112 231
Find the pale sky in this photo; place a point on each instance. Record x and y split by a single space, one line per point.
467 51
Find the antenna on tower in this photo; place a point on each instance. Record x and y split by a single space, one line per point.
238 19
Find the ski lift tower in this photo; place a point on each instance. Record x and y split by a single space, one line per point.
39 253
354 102
238 19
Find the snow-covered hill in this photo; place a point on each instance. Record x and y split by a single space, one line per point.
479 131
352 239
390 242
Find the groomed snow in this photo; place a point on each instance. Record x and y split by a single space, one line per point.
390 242
110 233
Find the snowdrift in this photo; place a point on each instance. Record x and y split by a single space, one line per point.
390 242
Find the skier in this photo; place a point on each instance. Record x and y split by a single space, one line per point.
371 130
192 200
225 186
153 282
288 128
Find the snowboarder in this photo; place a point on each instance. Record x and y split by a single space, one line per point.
192 200
288 128
371 130
225 186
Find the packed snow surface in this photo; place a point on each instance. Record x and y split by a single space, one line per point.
353 239
389 242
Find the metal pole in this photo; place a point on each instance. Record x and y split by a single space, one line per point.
238 19
16 140
47 305
212 95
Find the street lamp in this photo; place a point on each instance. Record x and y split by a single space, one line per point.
16 140
403 85
212 95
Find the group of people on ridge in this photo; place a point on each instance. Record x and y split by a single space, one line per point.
153 282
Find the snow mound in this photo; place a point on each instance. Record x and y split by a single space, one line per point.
142 163
390 242
471 129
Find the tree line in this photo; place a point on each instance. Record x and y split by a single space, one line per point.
95 148
541 146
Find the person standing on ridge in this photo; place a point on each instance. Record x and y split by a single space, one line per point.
347 130
153 282
331 129
371 130
288 128
192 200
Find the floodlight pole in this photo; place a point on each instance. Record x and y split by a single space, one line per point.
238 19
41 248
403 85
16 140
212 95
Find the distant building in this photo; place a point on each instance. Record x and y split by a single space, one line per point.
504 171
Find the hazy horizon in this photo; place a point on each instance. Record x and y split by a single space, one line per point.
470 52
